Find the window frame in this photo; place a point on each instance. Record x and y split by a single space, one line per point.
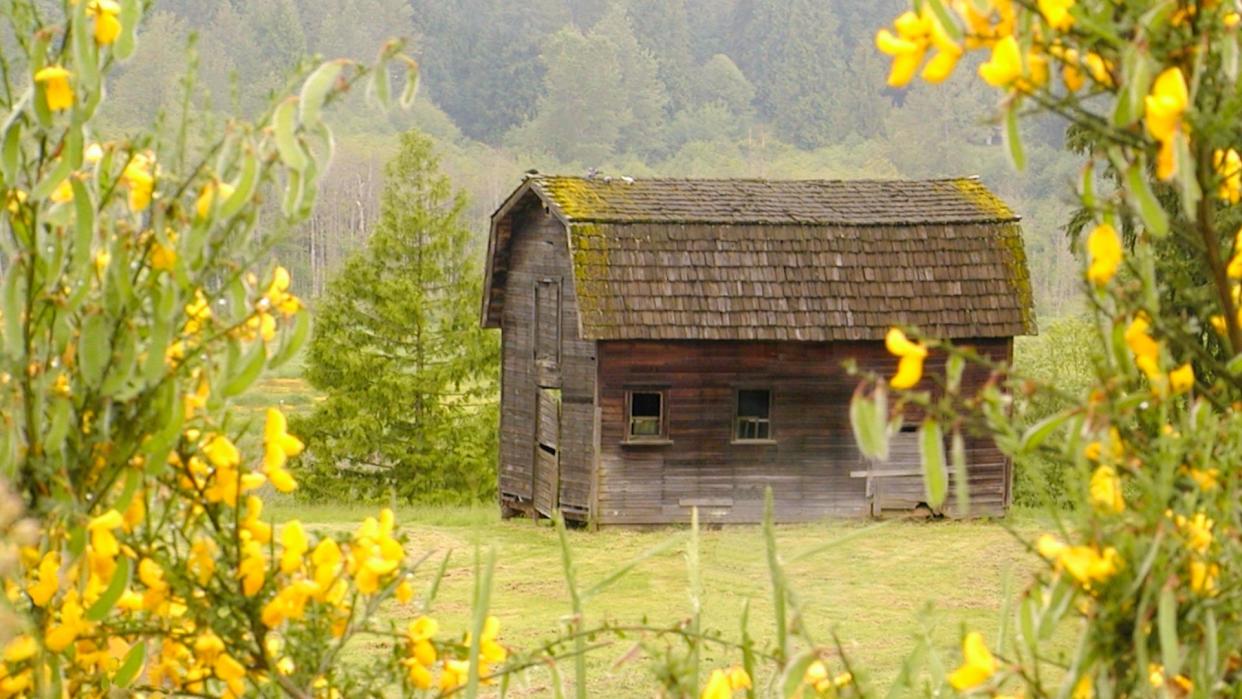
735 423
629 437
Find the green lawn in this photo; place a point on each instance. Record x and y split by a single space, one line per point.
869 590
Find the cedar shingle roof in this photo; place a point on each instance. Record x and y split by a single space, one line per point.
782 260
825 202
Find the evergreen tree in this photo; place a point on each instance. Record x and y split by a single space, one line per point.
645 93
409 376
662 27
584 106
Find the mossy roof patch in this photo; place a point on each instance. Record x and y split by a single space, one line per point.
604 199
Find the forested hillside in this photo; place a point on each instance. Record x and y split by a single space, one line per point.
763 88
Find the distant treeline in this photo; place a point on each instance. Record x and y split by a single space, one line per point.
769 88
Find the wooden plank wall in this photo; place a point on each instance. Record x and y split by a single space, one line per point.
539 251
809 462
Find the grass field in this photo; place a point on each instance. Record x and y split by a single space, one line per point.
869 590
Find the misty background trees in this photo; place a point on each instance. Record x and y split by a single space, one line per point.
722 88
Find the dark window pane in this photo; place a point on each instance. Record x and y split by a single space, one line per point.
645 404
751 403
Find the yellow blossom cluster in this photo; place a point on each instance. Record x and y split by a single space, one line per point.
1146 351
1165 108
818 679
910 358
992 24
456 671
724 682
1087 564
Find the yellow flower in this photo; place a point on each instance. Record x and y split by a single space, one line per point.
1104 249
916 33
163 257
197 312
1203 577
102 260
63 194
1205 478
1146 350
107 20
910 364
1235 263
1164 108
252 569
327 560
207 198
232 673
455 674
977 663
1229 169
21 648
1084 688
717 686
293 538
1197 530
1100 69
1086 564
1182 379
277 297
1106 490
57 92
1155 675
221 452
139 177
1005 66
1057 13
60 635
48 580
203 559
278 446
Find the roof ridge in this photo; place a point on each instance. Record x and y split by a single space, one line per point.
612 179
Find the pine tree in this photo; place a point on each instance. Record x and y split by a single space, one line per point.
408 375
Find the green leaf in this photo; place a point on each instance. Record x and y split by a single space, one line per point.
243 189
1188 183
94 349
85 55
1170 650
794 672
292 201
1013 138
58 429
378 87
131 13
1139 189
1235 365
1087 187
284 126
294 343
12 150
83 227
1229 56
953 372
116 588
931 454
946 19
412 81
868 418
252 366
14 309
160 336
961 477
131 665
316 89
1036 434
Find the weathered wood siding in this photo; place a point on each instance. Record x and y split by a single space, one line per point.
812 451
540 261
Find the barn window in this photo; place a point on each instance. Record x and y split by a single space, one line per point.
754 415
646 412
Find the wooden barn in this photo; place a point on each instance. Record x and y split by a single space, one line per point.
671 343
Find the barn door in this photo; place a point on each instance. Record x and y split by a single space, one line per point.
547 450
